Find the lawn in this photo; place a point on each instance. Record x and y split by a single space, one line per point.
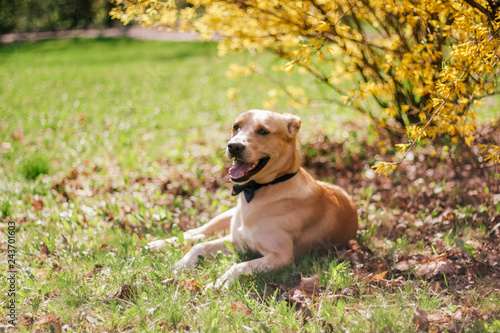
108 144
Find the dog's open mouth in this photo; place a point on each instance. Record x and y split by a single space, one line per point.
241 171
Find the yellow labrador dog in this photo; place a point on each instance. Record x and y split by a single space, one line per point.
282 211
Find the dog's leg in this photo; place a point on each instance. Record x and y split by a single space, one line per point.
220 222
268 262
202 249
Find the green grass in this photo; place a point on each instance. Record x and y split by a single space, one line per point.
123 141
34 166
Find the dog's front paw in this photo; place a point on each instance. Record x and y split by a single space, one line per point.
179 265
157 245
160 244
224 281
217 285
210 286
183 263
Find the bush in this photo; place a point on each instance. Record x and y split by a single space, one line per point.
34 15
427 64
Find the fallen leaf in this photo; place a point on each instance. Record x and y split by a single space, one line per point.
420 319
44 251
97 269
37 204
375 277
351 290
493 259
355 257
18 135
435 287
405 265
296 295
307 313
187 285
127 293
26 321
302 300
240 307
53 322
353 245
435 268
309 284
377 265
191 286
74 174
104 246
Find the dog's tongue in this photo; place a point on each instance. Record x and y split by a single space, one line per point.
238 169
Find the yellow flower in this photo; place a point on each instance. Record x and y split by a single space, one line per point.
402 147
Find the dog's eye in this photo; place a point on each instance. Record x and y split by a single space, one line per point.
236 127
263 131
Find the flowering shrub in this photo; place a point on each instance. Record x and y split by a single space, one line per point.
426 63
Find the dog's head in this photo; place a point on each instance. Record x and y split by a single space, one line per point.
263 146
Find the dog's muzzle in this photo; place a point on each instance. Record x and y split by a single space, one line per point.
235 149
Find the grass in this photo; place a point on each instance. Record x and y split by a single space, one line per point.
35 166
122 141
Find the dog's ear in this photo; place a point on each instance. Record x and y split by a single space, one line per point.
293 124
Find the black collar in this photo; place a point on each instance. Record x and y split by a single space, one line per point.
249 188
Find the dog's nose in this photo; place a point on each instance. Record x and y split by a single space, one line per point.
235 149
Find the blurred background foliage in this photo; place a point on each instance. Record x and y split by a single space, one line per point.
50 15
46 15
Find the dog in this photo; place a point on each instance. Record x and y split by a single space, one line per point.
282 212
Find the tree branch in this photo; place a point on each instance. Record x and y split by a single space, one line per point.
483 10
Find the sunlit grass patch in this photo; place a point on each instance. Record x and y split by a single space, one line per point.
5 208
34 166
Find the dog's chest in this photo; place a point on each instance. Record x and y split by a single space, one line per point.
246 228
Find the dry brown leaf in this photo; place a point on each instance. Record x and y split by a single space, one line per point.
26 321
353 245
239 306
375 277
296 295
127 293
493 259
191 286
37 204
420 319
97 269
187 285
351 290
443 257
378 265
355 257
74 174
104 246
435 268
309 284
52 320
65 240
44 251
18 135
405 265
